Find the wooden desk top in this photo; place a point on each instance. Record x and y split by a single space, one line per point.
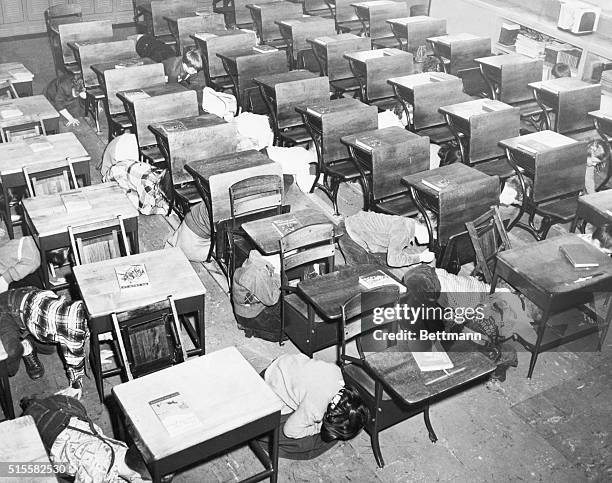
205 169
563 84
134 61
457 174
258 7
169 272
76 44
335 105
234 55
547 269
294 22
450 39
328 292
498 61
602 114
151 91
465 110
205 36
537 142
386 136
33 108
186 124
329 39
266 236
364 55
423 78
272 80
600 202
8 69
49 215
21 442
373 4
216 386
174 18
406 21
14 156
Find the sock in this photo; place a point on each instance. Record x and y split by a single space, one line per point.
27 347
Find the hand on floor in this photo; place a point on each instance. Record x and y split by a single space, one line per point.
73 122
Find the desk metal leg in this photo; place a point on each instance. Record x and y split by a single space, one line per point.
274 455
535 351
7 211
608 155
96 363
419 204
490 83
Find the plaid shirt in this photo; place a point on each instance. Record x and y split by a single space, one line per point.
142 184
54 319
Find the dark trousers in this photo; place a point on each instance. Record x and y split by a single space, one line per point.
10 333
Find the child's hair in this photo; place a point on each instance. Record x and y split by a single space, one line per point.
431 64
192 58
561 70
345 418
449 153
603 234
596 149
77 84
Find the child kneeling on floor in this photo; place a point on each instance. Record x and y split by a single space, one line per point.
318 408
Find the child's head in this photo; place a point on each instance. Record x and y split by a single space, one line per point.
345 416
596 152
431 64
561 70
192 61
78 87
603 236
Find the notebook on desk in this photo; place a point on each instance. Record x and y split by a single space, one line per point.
437 183
136 94
380 279
492 106
317 111
367 143
433 358
579 255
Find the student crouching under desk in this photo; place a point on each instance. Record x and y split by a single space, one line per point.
64 93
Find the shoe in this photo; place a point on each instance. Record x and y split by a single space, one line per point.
41 347
33 366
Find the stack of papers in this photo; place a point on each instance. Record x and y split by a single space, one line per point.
10 113
21 75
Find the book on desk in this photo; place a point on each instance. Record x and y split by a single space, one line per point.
380 279
175 414
75 201
437 182
10 113
136 94
579 255
367 143
264 49
286 226
134 275
434 358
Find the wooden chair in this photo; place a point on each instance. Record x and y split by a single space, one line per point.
149 338
22 131
385 373
489 237
344 14
301 250
98 241
251 198
48 181
63 13
6 399
7 90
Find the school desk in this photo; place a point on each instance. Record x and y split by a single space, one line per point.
265 17
478 126
242 14
92 52
6 399
296 33
155 14
169 272
81 31
347 20
221 41
602 120
595 209
19 76
45 152
191 138
328 122
372 69
232 404
508 76
570 99
413 32
455 193
373 16
20 443
542 273
242 66
32 109
47 218
157 103
214 176
556 165
283 92
388 154
183 25
460 50
422 95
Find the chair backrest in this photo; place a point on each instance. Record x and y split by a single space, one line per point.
305 247
22 131
290 95
7 89
149 338
465 203
574 108
559 172
136 77
380 69
49 181
160 9
515 79
98 241
80 31
63 13
256 195
101 53
188 26
489 237
336 66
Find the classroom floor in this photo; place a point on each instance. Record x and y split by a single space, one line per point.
555 427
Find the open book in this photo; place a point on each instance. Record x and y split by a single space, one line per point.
286 226
435 359
132 276
379 279
175 414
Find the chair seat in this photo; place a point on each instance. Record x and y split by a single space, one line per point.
296 135
153 155
349 26
222 83
122 121
495 167
296 302
400 205
345 85
345 170
385 43
358 376
437 134
97 93
564 210
189 193
280 44
528 108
